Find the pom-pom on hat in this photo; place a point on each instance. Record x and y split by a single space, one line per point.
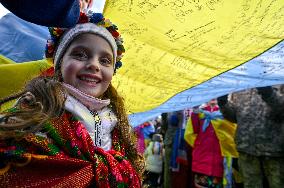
88 23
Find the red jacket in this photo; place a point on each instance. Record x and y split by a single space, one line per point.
206 154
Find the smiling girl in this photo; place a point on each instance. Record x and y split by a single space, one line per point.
70 129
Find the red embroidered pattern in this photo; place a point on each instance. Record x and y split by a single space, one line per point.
66 157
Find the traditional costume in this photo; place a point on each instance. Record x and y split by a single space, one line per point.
80 148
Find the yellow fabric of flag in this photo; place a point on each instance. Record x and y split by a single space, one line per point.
15 75
225 132
173 45
189 135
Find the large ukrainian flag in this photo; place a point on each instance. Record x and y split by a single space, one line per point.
174 45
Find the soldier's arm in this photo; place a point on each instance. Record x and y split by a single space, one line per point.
274 97
227 109
267 94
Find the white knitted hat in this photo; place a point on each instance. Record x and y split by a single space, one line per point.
70 35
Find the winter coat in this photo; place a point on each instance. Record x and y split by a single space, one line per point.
154 157
206 154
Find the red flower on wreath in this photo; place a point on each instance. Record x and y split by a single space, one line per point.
48 73
114 33
83 18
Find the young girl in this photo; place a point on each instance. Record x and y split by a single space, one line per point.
207 161
71 129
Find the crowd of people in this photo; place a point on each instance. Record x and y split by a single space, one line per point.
233 141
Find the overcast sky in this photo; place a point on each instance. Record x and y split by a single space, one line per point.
98 5
3 11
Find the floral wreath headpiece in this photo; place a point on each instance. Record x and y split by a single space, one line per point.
88 22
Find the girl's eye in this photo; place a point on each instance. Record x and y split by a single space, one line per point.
81 55
105 61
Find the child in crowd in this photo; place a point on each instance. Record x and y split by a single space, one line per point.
207 161
70 128
154 155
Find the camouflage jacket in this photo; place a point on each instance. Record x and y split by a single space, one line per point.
260 119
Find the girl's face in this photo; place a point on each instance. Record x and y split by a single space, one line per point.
88 64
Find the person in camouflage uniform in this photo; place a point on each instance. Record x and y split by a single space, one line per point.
260 133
